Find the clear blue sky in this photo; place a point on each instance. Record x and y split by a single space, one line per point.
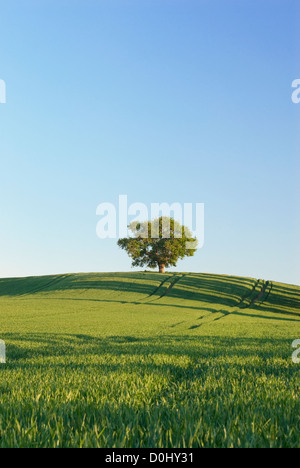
162 100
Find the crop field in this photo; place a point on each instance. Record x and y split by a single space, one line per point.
148 360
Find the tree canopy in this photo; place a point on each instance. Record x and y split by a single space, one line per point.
161 242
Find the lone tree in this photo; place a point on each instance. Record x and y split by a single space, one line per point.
161 243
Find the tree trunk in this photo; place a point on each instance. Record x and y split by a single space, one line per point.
161 268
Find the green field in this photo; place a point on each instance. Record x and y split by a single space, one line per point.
149 360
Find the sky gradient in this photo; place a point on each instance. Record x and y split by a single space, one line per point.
164 101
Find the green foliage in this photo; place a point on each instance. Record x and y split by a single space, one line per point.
162 241
134 360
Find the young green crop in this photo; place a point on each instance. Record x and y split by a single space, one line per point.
137 360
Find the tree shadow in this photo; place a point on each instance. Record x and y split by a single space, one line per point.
54 344
281 299
144 354
214 289
204 287
171 305
118 282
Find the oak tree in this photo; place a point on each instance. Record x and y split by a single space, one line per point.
161 242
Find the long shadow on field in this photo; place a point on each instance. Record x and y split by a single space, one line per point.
212 289
122 353
202 287
61 388
282 299
221 290
171 305
114 282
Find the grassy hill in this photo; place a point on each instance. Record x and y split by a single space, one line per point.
149 360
